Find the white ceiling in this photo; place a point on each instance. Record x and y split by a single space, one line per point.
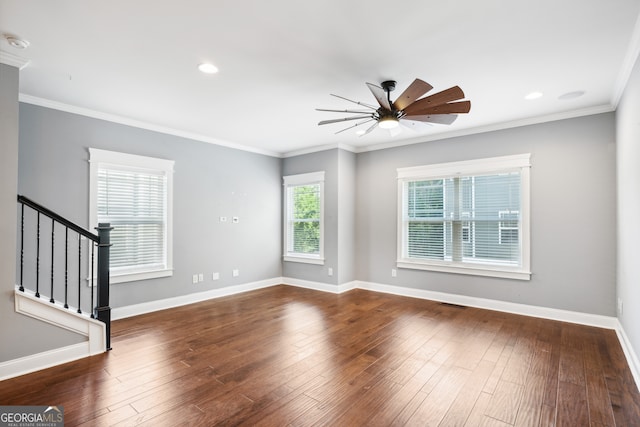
136 62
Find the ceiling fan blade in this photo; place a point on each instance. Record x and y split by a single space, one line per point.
344 111
413 92
448 95
395 131
355 102
381 96
443 119
450 108
344 119
416 126
351 127
370 128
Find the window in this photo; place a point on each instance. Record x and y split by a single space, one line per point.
467 217
134 194
304 222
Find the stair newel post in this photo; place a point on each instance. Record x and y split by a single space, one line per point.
93 263
38 258
103 310
66 267
79 272
53 238
21 247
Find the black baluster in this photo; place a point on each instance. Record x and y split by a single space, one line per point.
79 269
66 266
93 249
53 228
22 249
38 259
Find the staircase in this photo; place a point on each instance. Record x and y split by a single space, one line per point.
64 274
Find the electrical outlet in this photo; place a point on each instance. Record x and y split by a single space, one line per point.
394 272
194 279
330 271
200 277
236 273
216 276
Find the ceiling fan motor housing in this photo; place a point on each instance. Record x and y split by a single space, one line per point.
388 85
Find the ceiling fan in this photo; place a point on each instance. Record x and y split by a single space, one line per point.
410 107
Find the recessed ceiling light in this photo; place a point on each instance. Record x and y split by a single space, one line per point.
208 68
571 95
16 42
533 95
360 132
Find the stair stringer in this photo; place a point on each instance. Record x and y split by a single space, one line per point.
54 313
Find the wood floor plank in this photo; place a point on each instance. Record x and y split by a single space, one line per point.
435 406
530 409
402 404
505 402
572 408
463 405
291 356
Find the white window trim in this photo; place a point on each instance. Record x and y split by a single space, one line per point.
98 158
520 162
295 180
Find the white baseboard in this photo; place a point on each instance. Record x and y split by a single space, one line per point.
36 362
163 304
632 357
489 304
318 286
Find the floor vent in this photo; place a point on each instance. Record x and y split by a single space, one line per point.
448 304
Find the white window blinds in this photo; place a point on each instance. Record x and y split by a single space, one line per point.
465 222
134 194
465 219
134 203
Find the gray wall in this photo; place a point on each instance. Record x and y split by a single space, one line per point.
209 181
326 161
19 335
346 217
339 215
572 214
628 140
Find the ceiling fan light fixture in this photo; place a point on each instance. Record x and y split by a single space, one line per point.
388 122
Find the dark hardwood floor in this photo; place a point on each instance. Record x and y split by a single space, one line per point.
289 356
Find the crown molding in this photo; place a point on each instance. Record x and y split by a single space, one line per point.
42 102
13 60
633 52
319 148
598 109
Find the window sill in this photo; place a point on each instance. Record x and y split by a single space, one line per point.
303 259
470 270
134 277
